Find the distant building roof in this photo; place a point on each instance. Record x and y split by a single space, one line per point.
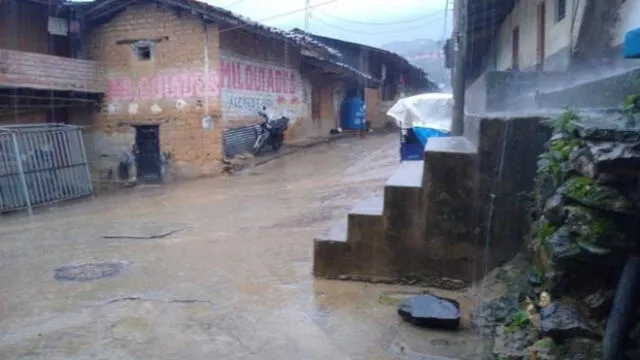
390 56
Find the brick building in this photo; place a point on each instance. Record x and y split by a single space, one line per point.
182 79
197 75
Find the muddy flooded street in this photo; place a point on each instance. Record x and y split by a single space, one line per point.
212 269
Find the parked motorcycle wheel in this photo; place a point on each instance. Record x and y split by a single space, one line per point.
259 145
276 144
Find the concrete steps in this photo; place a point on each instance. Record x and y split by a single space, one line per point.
432 220
347 248
387 237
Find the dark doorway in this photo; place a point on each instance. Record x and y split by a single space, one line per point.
58 115
316 103
541 35
148 160
515 49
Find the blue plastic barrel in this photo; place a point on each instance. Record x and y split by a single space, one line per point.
352 114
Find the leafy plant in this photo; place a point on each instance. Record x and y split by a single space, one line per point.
632 104
564 123
520 321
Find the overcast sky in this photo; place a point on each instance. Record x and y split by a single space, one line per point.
372 22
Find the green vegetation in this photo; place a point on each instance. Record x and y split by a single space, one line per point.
632 104
580 187
564 123
545 230
520 321
553 163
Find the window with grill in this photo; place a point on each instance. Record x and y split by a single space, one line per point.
561 9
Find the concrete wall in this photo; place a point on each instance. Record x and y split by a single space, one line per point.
175 89
509 91
559 35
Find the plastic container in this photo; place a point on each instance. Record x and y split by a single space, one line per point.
353 114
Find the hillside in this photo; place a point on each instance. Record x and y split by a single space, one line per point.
425 54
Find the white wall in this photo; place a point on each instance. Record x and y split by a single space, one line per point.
557 33
629 19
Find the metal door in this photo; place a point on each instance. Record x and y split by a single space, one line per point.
239 140
148 159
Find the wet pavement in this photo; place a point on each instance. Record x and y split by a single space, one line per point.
212 269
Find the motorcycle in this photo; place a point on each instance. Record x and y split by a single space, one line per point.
271 132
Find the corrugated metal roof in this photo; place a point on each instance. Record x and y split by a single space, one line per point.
101 9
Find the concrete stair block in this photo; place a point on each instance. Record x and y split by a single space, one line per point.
401 250
450 197
347 249
365 229
331 253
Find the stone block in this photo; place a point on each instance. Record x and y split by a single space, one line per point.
331 251
365 230
450 190
403 247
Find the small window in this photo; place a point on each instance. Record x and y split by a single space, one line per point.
143 50
144 53
561 9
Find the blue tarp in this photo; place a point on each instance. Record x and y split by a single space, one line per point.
415 151
631 46
423 133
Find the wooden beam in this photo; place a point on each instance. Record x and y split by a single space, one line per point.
133 41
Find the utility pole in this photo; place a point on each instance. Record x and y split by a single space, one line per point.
307 14
459 66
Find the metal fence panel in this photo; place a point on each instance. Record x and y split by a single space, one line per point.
41 164
239 140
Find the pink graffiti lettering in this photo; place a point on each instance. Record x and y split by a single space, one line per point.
122 88
246 76
163 87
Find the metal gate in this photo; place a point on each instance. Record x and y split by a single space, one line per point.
41 164
239 140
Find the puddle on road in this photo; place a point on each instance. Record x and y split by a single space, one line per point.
90 271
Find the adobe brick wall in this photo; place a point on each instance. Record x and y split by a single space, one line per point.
375 114
324 115
242 95
175 90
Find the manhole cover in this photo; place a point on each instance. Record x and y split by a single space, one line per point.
439 342
88 272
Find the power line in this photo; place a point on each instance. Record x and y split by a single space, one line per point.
278 16
370 33
423 17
